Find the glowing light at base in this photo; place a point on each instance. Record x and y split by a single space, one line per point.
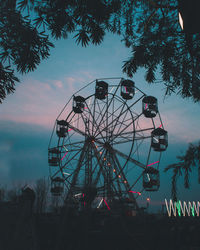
152 163
148 199
106 204
182 208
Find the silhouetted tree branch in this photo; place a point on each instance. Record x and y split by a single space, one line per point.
187 163
149 27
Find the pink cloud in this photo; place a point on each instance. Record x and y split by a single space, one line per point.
58 84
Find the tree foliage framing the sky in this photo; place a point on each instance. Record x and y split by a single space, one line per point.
149 27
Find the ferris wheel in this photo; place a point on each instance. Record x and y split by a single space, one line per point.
106 145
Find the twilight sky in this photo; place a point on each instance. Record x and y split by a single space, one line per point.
27 116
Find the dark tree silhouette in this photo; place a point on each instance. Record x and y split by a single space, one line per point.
185 166
149 27
41 191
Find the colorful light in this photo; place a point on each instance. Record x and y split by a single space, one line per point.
160 126
111 89
180 20
106 204
77 194
155 139
100 203
152 163
66 173
183 208
134 192
64 156
148 199
84 201
145 106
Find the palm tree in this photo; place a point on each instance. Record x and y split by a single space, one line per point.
185 166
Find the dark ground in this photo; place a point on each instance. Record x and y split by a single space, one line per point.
21 230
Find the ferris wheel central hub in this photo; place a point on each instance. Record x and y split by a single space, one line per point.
91 139
107 145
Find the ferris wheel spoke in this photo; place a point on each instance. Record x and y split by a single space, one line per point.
78 167
130 109
70 159
133 185
94 121
107 107
119 134
77 130
126 127
121 123
139 164
125 139
125 182
74 144
111 115
62 167
101 167
100 115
